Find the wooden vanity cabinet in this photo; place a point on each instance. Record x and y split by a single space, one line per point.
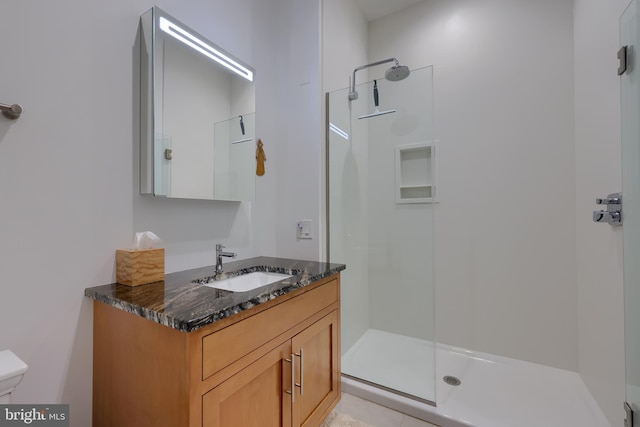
316 348
234 372
261 393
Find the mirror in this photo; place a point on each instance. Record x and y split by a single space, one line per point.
197 115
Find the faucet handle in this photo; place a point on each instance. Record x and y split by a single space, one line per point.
611 199
219 247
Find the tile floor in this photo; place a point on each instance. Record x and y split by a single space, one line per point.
376 415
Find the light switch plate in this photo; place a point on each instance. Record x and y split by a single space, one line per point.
303 229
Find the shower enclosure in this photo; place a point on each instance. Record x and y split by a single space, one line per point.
381 194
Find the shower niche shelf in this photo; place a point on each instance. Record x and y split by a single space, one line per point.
415 173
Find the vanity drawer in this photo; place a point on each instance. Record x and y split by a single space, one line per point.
227 345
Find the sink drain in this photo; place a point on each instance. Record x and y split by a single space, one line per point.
451 380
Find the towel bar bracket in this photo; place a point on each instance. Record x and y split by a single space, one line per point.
12 111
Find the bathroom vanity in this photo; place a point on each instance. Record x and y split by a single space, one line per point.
179 353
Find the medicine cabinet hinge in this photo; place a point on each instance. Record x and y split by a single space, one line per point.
168 153
623 57
628 422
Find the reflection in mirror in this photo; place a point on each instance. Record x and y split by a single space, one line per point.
234 176
197 111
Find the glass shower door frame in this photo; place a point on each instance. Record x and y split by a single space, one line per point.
630 130
369 158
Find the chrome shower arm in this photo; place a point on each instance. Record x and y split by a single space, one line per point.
352 92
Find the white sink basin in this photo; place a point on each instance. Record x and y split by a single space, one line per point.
247 282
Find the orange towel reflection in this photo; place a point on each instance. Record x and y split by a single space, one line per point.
261 158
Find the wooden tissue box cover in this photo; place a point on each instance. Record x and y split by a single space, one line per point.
139 267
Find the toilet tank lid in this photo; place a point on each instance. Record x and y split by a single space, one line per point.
11 365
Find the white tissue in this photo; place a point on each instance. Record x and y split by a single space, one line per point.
145 240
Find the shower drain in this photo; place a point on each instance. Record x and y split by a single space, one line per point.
451 380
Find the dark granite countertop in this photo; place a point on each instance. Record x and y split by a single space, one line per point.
179 303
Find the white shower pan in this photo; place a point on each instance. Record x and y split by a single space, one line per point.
495 391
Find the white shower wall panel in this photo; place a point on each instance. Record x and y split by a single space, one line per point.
503 114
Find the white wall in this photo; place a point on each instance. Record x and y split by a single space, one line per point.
69 178
598 173
344 42
300 124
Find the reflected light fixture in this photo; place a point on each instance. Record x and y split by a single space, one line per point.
338 131
202 47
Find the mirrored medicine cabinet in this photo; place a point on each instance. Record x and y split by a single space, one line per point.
197 115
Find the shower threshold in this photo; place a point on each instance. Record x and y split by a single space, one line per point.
387 389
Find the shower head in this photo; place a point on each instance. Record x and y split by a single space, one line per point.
397 72
393 74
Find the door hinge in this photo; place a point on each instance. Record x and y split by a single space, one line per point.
622 60
628 422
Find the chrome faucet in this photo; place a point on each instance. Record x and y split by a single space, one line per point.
219 255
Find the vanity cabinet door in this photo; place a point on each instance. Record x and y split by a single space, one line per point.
317 371
256 396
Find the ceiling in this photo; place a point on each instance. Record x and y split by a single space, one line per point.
374 9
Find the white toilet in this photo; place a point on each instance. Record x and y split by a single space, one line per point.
12 370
